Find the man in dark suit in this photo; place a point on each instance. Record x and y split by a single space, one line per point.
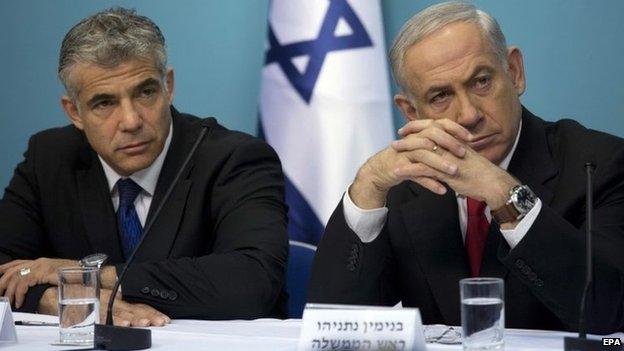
477 186
217 250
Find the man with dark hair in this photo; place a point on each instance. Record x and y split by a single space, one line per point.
477 186
84 192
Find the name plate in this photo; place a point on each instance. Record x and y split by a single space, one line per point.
345 327
7 326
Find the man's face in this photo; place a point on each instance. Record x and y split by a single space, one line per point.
123 111
453 73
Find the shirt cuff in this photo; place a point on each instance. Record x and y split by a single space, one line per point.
366 224
513 236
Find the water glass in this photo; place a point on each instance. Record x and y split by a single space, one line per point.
482 313
79 304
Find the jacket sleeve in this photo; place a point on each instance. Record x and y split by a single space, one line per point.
348 271
550 259
21 224
245 273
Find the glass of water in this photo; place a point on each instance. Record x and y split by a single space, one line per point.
79 304
482 313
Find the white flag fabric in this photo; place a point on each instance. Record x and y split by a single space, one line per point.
325 101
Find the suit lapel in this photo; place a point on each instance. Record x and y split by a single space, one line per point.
532 163
97 208
165 228
432 223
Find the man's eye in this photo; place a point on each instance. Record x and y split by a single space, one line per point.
482 83
102 104
440 97
148 92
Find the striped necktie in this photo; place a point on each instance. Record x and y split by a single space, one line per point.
127 218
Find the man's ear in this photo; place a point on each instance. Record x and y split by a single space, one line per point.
170 81
516 69
71 110
406 107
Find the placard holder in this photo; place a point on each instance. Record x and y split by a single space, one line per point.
348 327
8 335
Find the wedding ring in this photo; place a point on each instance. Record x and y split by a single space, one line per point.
435 147
24 271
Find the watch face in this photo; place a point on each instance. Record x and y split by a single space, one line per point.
523 199
95 260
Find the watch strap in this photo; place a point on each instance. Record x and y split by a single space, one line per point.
507 213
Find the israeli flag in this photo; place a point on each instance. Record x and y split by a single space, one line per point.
324 102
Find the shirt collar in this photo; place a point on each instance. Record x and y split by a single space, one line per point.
505 163
145 178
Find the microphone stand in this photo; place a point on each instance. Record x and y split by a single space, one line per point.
581 343
111 337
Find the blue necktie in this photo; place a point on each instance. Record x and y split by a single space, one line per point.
127 217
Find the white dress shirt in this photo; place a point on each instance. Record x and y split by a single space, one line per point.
145 178
367 224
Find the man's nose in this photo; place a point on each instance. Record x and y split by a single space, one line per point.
468 115
131 119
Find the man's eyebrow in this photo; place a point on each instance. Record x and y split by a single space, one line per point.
477 70
147 82
99 97
480 69
436 88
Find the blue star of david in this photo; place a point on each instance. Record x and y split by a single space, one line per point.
318 48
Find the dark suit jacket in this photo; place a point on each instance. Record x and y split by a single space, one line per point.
218 250
419 257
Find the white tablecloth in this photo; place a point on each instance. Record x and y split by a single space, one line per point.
261 334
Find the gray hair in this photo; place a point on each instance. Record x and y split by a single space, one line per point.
109 38
436 17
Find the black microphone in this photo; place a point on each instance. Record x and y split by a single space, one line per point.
110 337
581 343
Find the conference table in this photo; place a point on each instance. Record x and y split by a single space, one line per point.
257 335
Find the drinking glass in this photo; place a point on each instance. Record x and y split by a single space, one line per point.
482 313
79 304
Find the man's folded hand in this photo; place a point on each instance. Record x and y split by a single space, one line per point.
19 275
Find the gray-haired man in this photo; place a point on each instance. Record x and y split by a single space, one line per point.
477 186
218 249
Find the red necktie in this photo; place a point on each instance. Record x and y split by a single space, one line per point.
476 234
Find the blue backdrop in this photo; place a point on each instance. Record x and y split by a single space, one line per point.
572 48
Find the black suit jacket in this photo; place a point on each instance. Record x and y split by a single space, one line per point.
419 257
218 249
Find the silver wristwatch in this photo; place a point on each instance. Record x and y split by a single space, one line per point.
521 201
94 260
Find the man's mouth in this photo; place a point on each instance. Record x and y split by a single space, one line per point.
481 142
134 148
